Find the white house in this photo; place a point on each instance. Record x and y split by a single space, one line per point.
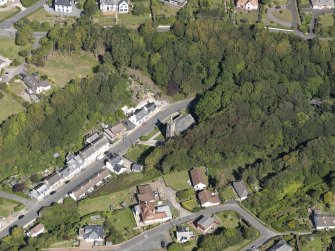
120 6
113 161
322 4
93 150
323 221
53 181
247 4
34 85
40 191
198 179
64 6
184 234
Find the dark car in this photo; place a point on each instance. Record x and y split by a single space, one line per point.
68 181
20 217
163 245
53 192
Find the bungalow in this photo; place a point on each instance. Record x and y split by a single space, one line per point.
89 185
240 189
34 85
322 4
323 221
247 4
205 223
40 191
145 194
198 179
135 167
64 6
36 230
281 246
93 233
53 181
120 6
151 214
113 162
183 234
208 199
93 150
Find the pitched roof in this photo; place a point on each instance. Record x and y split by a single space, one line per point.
322 3
183 122
95 146
91 138
115 160
141 113
205 221
324 220
118 128
281 246
244 2
149 212
145 193
206 196
53 179
240 188
136 167
33 83
93 232
113 2
63 2
197 176
36 229
151 106
88 184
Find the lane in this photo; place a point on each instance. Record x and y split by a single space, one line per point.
14 197
119 147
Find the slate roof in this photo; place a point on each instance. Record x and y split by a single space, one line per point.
197 176
136 167
115 160
113 2
95 146
205 221
323 220
93 232
322 3
281 246
53 179
151 106
182 123
33 83
117 168
91 138
67 3
240 188
141 113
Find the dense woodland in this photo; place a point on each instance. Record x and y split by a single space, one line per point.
255 114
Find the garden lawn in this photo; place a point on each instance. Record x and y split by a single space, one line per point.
62 68
9 106
150 135
42 16
105 20
7 206
246 17
132 21
313 245
178 180
135 152
103 202
229 219
283 15
122 219
190 204
326 20
227 193
304 3
9 49
8 13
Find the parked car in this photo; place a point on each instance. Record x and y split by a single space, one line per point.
20 217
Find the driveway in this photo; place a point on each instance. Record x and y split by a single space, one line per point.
272 18
15 197
171 194
12 71
75 11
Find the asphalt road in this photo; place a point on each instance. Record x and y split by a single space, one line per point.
119 147
8 23
150 240
14 197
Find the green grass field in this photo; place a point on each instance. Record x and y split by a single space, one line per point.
326 20
246 17
7 206
304 3
190 204
150 135
283 15
7 14
62 68
105 20
313 245
135 152
103 202
9 49
229 219
227 193
42 16
9 106
178 180
132 21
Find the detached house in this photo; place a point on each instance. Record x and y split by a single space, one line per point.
208 199
36 230
323 221
64 6
34 85
205 223
240 189
145 194
92 234
184 234
151 214
120 6
198 179
322 4
281 246
247 4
